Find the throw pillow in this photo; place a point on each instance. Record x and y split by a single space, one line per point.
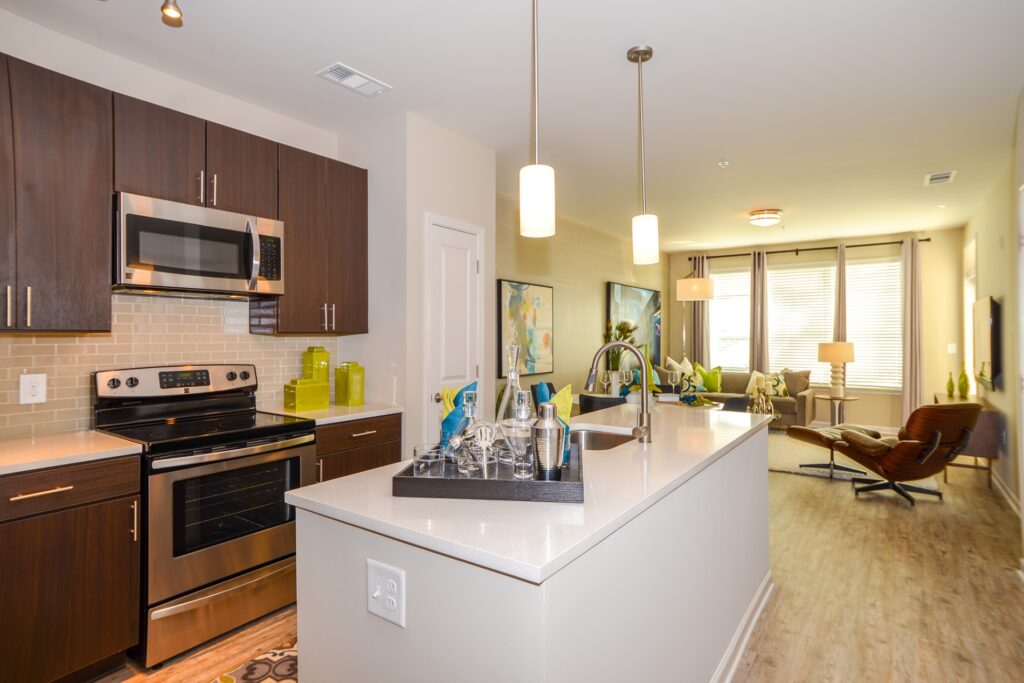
711 379
776 384
796 382
685 368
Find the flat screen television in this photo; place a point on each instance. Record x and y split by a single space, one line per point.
988 361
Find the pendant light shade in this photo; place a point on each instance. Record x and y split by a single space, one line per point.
170 9
646 248
645 240
536 201
536 181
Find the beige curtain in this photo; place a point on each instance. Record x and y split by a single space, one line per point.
759 311
839 322
700 339
911 262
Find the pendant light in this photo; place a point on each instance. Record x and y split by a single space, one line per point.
536 181
171 14
646 249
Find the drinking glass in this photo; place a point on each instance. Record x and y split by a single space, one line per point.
428 460
673 379
626 377
606 380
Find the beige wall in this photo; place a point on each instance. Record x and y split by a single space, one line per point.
994 226
942 278
578 262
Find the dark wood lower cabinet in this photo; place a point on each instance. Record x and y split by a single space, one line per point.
344 463
69 589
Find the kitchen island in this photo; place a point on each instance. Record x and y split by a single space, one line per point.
658 576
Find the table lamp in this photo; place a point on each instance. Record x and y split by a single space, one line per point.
836 353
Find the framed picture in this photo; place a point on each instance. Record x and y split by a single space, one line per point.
642 307
526 317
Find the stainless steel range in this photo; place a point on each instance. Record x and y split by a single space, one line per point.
220 540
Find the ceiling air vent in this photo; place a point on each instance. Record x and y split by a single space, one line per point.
940 178
347 77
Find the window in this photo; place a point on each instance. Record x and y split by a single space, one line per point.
801 311
874 323
729 320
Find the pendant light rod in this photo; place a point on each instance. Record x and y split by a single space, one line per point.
638 55
536 88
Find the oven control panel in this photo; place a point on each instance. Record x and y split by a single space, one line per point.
174 380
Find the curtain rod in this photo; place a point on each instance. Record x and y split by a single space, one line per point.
797 250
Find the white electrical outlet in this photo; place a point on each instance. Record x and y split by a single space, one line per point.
951 348
31 389
385 591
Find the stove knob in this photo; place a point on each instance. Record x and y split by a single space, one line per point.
132 382
232 376
114 383
244 375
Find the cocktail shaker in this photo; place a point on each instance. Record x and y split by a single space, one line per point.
548 434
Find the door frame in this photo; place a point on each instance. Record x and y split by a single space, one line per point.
480 235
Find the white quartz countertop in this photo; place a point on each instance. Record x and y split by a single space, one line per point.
335 414
532 541
52 450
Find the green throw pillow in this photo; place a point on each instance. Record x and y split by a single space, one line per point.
711 379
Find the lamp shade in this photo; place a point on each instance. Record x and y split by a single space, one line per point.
835 352
537 201
646 249
695 289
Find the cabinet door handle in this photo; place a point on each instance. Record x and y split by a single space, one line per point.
202 188
135 520
48 492
326 328
10 306
334 327
215 189
358 434
28 311
319 470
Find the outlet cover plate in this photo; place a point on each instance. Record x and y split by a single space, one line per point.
385 591
31 389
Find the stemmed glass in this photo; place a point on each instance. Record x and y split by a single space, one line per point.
673 379
626 377
606 380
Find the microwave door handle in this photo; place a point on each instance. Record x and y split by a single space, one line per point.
254 240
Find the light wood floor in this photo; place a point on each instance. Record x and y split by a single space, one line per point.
218 657
866 589
871 589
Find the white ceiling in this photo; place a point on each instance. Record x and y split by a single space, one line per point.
832 111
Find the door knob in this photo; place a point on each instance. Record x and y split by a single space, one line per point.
437 397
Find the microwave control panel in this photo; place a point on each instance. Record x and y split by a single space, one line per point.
270 257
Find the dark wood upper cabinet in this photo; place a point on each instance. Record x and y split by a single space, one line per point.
8 283
63 160
69 587
241 172
348 288
158 152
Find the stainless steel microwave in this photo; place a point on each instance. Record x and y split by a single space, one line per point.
164 245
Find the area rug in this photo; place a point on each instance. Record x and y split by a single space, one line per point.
280 665
786 455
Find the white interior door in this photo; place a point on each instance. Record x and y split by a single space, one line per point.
454 335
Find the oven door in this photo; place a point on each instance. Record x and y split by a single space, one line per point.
169 245
213 520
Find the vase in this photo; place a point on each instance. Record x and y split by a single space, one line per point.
963 385
950 386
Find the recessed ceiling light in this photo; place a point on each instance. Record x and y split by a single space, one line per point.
765 218
723 163
942 206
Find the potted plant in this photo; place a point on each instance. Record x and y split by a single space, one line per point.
624 331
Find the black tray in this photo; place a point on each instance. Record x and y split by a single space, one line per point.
500 485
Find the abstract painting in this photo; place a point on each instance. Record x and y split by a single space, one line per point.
642 307
526 317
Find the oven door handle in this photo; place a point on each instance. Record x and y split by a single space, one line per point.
254 248
168 463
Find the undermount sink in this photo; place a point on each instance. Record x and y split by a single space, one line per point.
593 440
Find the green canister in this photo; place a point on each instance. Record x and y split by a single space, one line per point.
356 383
316 364
341 383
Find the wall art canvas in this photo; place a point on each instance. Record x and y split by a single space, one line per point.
526 317
642 307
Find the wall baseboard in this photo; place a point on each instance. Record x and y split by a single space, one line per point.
1006 492
731 659
884 431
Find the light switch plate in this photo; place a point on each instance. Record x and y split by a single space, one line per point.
31 389
385 591
951 348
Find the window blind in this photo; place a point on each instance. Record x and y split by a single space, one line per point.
801 311
874 323
729 320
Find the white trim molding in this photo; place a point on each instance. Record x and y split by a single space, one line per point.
1007 492
738 645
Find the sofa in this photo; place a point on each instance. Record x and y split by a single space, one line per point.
797 409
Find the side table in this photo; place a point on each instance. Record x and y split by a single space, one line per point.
984 442
831 465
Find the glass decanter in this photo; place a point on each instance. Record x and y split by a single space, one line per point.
510 395
518 437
